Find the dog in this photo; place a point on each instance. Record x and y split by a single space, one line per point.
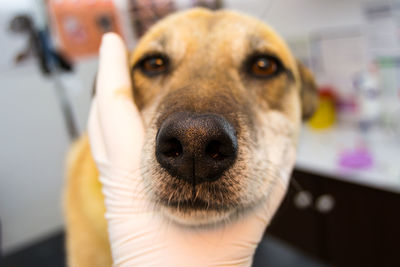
222 99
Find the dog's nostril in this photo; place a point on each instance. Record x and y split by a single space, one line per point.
214 150
172 148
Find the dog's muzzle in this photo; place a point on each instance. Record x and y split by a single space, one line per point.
196 147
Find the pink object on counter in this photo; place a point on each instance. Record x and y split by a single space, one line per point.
359 158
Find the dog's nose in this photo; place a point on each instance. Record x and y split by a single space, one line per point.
196 147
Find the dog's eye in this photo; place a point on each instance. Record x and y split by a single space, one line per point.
154 65
264 66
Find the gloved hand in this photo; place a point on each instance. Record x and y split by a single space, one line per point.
139 235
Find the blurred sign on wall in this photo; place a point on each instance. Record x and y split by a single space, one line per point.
383 32
79 25
383 27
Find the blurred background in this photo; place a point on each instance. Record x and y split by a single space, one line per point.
342 208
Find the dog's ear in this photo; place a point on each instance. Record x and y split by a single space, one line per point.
308 93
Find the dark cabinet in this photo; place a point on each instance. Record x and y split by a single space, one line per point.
342 224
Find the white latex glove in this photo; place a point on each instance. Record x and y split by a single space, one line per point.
139 235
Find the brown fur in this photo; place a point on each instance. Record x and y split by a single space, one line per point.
208 49
87 240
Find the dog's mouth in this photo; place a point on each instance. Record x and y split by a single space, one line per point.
194 205
196 212
207 203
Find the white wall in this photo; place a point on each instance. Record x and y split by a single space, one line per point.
292 18
33 142
33 139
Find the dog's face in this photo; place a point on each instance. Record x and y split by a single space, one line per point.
222 100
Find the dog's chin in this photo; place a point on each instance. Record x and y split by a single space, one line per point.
196 217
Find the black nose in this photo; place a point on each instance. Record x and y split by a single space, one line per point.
196 147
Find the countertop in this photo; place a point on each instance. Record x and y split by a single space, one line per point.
319 152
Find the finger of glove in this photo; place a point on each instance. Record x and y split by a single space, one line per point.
120 121
95 134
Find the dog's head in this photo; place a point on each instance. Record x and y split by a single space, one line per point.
222 100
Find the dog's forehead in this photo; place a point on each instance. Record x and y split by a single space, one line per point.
236 34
